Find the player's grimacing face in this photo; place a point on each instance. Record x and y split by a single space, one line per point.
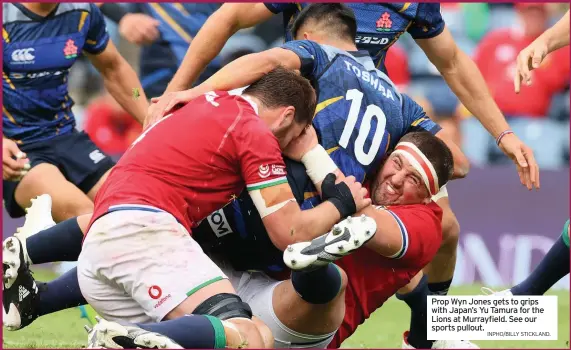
398 183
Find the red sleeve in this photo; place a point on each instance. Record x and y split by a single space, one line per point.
421 230
260 156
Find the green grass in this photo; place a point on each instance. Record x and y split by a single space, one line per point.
383 330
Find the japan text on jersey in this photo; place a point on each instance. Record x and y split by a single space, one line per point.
38 54
379 25
360 114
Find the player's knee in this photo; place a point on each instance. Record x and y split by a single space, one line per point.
265 332
68 210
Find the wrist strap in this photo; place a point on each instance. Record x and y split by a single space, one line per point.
318 164
501 136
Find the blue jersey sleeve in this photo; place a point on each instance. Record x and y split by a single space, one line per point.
428 22
279 7
313 58
97 36
416 119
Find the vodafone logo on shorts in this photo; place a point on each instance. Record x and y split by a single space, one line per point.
155 292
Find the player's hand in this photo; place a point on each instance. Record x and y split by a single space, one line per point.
522 156
161 106
139 29
529 59
358 192
302 144
15 163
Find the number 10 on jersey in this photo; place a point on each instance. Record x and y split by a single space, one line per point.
372 111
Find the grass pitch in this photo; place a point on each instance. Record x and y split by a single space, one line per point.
383 330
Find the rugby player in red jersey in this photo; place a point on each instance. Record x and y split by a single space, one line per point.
138 261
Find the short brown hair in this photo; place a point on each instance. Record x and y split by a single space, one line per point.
435 151
282 88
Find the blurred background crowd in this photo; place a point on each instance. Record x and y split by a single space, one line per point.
492 34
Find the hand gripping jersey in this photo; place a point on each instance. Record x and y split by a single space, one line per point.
38 54
360 114
379 25
195 160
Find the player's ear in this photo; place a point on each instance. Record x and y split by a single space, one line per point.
287 117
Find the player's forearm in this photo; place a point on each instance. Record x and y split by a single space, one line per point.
557 36
312 223
466 81
239 73
290 224
207 44
123 84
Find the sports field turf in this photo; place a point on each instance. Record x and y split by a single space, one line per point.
383 330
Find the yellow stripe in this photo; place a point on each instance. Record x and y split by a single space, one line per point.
405 7
298 6
388 142
181 8
8 81
322 105
332 149
9 115
82 20
307 195
418 121
91 42
5 35
168 19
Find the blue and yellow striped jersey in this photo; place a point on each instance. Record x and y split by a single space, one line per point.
179 24
360 114
379 25
38 54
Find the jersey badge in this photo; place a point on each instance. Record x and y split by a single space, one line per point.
384 23
70 50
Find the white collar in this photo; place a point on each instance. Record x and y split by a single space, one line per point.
239 91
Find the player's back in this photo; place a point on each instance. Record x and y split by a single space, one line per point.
379 25
38 53
187 163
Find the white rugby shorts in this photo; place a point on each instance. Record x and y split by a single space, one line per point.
139 265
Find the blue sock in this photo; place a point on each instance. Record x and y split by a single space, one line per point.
192 331
417 302
61 242
553 267
60 294
318 286
439 288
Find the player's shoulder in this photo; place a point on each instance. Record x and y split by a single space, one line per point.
71 6
416 212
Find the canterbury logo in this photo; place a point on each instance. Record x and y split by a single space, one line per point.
96 156
23 55
22 293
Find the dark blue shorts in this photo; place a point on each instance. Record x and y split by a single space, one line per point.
80 161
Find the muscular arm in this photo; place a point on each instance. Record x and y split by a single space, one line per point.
121 80
557 36
465 80
290 224
251 68
210 40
